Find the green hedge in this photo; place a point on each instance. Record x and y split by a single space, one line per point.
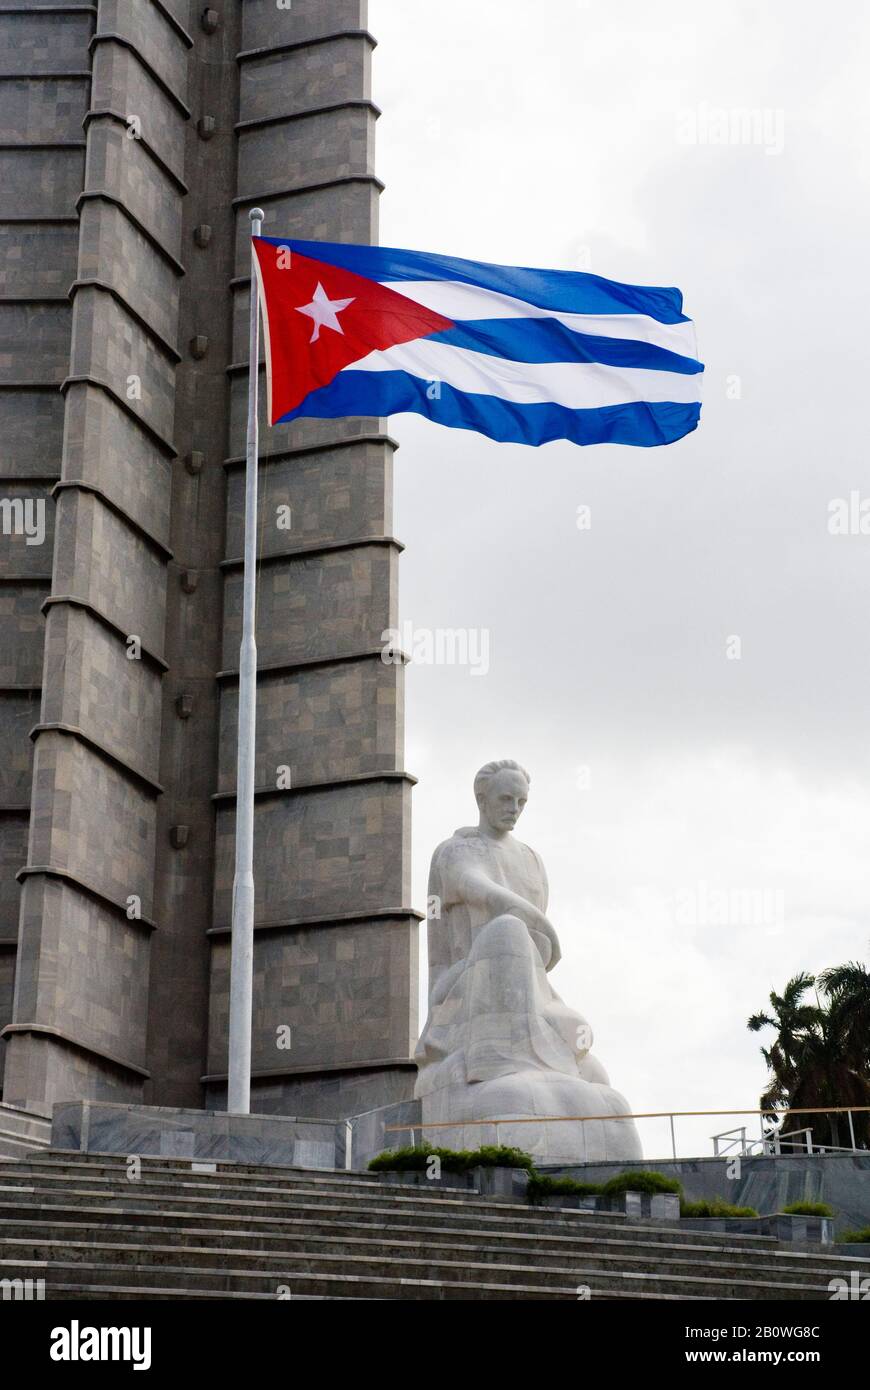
714 1206
807 1209
641 1182
861 1237
542 1186
415 1158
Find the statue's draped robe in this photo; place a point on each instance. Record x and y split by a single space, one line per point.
492 1010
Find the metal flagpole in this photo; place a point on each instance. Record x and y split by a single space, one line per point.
242 954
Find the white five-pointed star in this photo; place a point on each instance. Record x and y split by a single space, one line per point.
324 311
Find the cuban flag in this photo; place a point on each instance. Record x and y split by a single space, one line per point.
522 356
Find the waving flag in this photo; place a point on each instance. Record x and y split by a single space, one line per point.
520 355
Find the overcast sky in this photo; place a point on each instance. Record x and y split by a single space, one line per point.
668 780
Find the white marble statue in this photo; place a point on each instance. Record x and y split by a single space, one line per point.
499 1043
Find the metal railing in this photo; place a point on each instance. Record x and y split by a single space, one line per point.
794 1140
734 1140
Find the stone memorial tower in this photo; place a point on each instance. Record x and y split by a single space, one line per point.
136 136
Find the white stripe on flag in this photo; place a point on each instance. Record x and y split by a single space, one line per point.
577 385
457 300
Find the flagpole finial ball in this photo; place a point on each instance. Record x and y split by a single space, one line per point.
257 217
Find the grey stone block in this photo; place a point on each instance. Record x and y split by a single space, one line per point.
149 33
201 1135
42 111
100 559
18 714
501 1184
22 632
37 260
13 856
124 168
34 342
115 251
103 446
31 427
319 76
324 723
345 845
34 41
121 84
310 607
325 995
40 183
262 27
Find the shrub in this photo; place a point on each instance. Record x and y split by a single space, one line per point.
714 1206
415 1158
640 1182
542 1186
807 1209
861 1237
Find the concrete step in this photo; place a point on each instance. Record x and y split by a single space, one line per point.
41 1123
14 1146
402 1238
45 1171
413 1258
257 1172
21 1132
385 1279
194 1199
73 1292
248 1232
254 1181
47 1165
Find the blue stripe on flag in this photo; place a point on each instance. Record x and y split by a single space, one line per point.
566 291
390 393
548 340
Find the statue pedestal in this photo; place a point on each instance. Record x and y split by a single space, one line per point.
524 1095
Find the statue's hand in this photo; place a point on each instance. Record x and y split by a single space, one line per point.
545 949
544 936
555 953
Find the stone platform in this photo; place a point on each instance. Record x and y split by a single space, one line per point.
767 1182
205 1136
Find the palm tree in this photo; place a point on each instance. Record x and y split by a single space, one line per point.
820 1056
847 990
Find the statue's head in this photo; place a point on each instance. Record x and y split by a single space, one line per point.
501 790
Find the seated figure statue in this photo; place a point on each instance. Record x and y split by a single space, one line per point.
499 1043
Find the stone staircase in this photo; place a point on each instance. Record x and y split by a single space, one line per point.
22 1132
79 1222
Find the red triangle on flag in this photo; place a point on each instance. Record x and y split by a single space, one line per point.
320 318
